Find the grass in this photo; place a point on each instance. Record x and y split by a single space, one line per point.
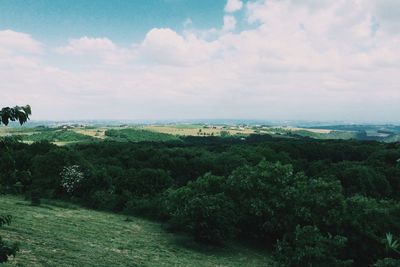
61 234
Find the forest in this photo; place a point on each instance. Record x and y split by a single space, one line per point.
309 202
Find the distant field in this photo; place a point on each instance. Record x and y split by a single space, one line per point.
92 132
57 136
198 130
59 234
158 133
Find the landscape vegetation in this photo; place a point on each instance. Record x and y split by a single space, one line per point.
200 195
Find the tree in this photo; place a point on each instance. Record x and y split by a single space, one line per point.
8 114
16 113
71 176
308 246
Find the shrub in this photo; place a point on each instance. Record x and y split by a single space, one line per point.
148 182
71 178
307 246
387 262
271 200
261 197
7 250
366 221
104 200
203 210
149 207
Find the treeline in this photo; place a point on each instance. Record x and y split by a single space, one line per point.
314 202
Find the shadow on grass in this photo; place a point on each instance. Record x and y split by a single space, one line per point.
227 248
187 242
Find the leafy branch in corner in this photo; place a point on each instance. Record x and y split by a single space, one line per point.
17 113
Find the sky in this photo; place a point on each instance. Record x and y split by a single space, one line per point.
320 60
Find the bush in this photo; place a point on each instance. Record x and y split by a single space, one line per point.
103 200
366 221
71 177
387 262
6 249
203 210
212 218
147 182
148 207
271 200
307 246
261 198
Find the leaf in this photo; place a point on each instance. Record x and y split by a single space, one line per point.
21 114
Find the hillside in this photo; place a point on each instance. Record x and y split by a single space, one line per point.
59 234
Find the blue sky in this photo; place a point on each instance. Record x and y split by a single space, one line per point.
123 21
219 59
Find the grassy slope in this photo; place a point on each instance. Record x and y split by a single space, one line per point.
58 234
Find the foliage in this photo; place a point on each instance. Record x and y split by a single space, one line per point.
138 135
387 262
6 249
201 209
8 114
272 200
361 179
57 136
5 220
17 113
214 189
366 220
392 243
307 246
71 178
103 200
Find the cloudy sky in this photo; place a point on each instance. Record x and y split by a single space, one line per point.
199 59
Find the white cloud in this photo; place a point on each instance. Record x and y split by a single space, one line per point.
229 23
165 46
100 47
303 59
233 6
19 42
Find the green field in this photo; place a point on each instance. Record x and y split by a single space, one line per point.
60 234
64 135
